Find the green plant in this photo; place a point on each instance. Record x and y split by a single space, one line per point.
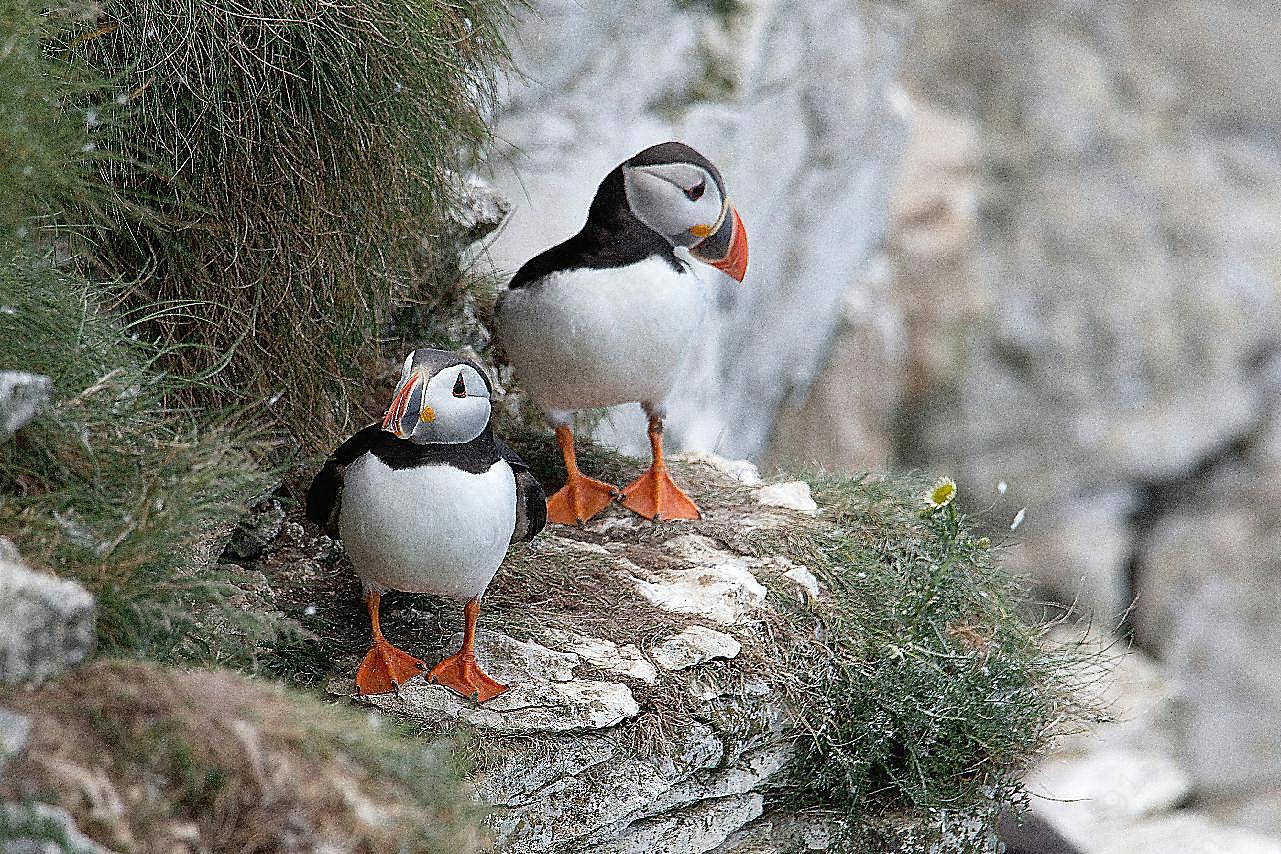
916 688
292 169
119 487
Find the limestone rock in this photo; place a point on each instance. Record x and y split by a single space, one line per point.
48 623
743 471
803 578
483 209
22 396
1208 588
625 660
543 695
1187 834
694 645
15 730
793 495
691 831
715 584
1110 785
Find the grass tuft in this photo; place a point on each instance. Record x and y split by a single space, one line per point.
293 168
917 689
209 760
116 486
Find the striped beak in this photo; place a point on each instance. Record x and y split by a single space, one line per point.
726 248
407 407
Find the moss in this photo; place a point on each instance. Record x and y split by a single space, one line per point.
228 763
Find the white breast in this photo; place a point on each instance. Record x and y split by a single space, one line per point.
587 338
432 529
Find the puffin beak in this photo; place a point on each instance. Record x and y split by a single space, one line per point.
406 408
726 248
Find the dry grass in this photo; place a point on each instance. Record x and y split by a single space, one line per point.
153 759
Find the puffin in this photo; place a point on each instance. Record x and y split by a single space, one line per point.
610 315
427 501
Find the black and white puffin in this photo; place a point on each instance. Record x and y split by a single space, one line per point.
428 502
610 315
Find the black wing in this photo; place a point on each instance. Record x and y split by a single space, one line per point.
531 501
324 496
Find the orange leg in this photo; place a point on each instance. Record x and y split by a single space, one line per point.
385 668
581 497
655 495
460 672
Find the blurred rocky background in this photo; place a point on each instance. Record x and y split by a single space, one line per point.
1032 244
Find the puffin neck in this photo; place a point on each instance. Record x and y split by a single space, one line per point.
476 456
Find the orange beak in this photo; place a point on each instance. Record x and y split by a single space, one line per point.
726 248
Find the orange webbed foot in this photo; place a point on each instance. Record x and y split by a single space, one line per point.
386 668
656 496
579 499
461 672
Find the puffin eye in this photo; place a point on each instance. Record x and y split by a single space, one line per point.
460 387
695 192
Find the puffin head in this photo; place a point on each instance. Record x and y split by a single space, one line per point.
441 397
679 193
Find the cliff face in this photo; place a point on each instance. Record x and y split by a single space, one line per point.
794 102
1083 258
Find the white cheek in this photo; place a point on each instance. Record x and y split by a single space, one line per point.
457 420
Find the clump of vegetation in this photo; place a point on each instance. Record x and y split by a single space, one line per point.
917 689
209 760
115 485
49 111
118 483
293 169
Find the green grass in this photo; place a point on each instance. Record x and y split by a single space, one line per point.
119 487
918 691
50 113
292 168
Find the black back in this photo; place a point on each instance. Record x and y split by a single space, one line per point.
611 237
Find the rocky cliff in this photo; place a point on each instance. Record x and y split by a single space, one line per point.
1083 264
827 668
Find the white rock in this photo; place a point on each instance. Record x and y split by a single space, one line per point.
22 396
694 645
695 829
719 585
626 660
802 576
743 471
1184 833
1108 785
15 732
793 495
47 624
542 697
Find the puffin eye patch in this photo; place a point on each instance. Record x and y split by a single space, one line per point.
460 387
695 192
